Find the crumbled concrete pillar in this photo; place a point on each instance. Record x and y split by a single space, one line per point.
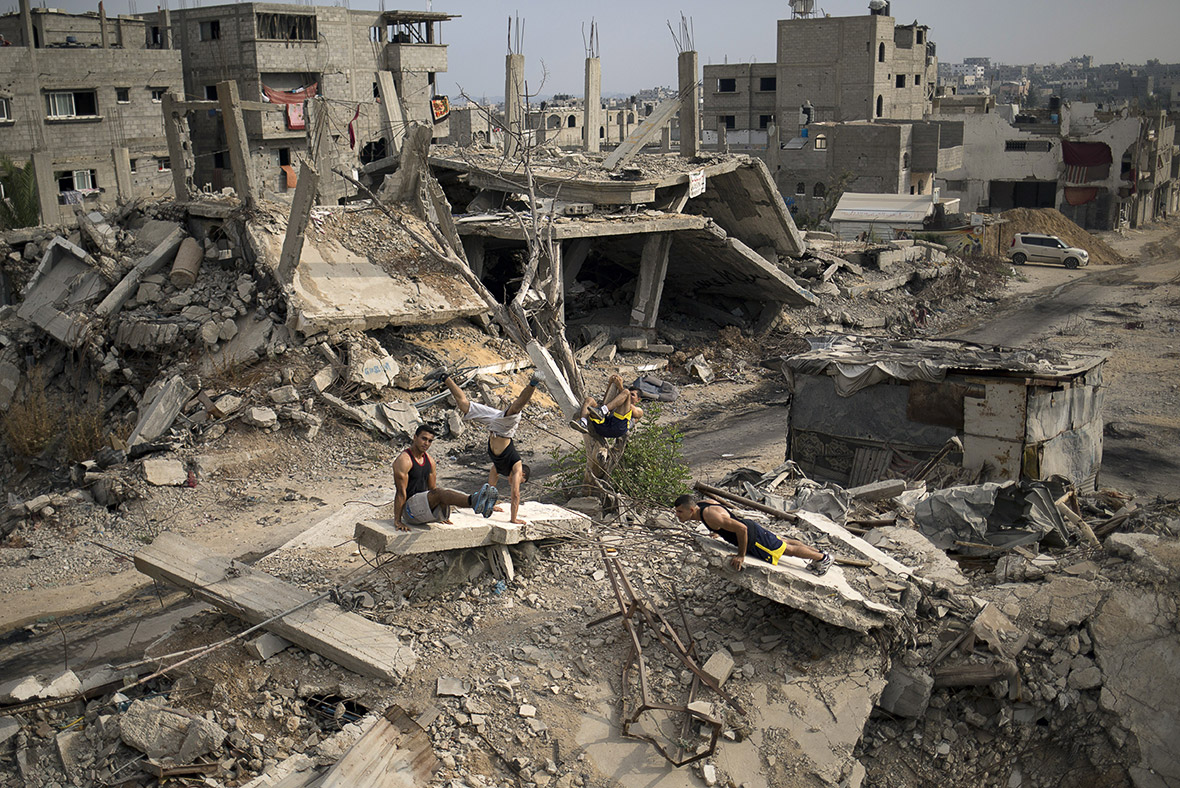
653 267
26 18
46 187
690 105
393 120
513 103
102 25
236 141
187 264
592 105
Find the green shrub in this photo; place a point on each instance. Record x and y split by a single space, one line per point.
652 471
33 421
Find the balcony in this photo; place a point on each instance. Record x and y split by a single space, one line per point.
416 57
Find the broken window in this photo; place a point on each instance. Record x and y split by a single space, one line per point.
768 83
1020 146
158 94
5 110
286 27
764 121
75 181
133 164
727 85
72 104
211 93
163 164
728 121
901 80
211 30
123 95
917 79
284 156
821 142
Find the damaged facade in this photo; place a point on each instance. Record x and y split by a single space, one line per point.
80 98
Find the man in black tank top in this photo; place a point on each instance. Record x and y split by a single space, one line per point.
419 499
747 536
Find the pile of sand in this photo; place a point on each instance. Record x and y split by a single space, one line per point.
1050 221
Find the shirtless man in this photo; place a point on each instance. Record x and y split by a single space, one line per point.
747 536
611 419
419 499
502 426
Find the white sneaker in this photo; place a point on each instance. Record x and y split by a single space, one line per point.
581 425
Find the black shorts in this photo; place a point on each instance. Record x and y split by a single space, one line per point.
504 463
611 427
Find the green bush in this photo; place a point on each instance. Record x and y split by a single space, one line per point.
652 471
33 421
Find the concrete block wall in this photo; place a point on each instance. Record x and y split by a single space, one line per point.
747 103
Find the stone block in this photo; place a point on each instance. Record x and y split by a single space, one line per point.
719 666
878 491
633 344
284 395
228 404
447 687
261 417
663 350
908 692
606 353
164 473
323 379
267 645
161 732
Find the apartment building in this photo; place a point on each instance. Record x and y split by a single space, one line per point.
276 51
80 97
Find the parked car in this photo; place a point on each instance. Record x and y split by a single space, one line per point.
1036 248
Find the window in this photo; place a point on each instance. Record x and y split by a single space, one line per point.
211 30
880 106
123 95
727 86
158 94
800 188
765 120
572 122
821 142
768 83
284 156
819 190
219 160
286 27
134 164
901 80
71 104
956 186
5 110
905 161
75 181
881 53
163 164
728 121
1020 146
921 36
917 79
210 93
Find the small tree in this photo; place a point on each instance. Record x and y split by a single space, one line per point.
20 206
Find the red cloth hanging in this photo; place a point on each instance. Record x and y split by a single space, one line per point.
295 118
1085 154
351 131
290 97
1080 195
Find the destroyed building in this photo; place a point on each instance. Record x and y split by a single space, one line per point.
80 97
285 55
863 410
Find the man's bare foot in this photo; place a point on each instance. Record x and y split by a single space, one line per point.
520 521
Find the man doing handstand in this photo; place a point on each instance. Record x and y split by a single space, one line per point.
419 499
502 425
747 536
612 418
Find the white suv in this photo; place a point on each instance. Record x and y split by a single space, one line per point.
1035 248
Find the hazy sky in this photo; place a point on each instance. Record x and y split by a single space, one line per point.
638 51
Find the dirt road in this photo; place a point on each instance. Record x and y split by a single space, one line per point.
1130 314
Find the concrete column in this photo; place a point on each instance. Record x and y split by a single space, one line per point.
393 120
690 105
166 29
305 190
122 160
666 139
178 141
119 25
102 26
653 266
46 186
473 248
722 136
513 102
26 19
236 141
592 109
574 258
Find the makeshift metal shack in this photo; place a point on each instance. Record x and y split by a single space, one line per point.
866 409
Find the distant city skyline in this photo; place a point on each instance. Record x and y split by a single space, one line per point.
638 52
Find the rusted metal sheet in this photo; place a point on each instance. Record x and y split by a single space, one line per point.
1001 412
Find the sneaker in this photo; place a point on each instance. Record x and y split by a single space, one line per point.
537 379
479 499
581 425
821 565
490 497
604 410
439 374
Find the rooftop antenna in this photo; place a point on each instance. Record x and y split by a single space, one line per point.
803 9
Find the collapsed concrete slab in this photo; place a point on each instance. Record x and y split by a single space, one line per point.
829 597
334 288
471 530
64 281
347 639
